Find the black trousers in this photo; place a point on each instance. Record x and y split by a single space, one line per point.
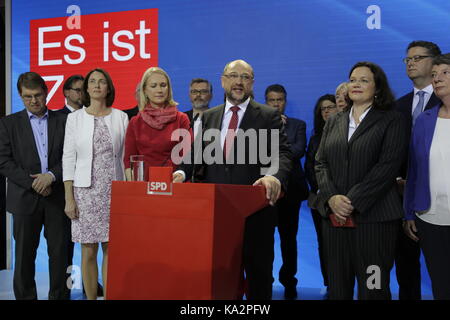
258 253
407 267
26 231
318 220
435 243
288 209
366 252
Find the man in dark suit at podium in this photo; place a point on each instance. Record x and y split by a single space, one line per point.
31 148
288 207
240 111
418 68
72 93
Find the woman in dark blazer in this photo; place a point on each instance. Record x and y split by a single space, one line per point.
325 107
427 193
359 157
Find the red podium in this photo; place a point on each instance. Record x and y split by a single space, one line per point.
187 245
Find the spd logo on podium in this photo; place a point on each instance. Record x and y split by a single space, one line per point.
160 181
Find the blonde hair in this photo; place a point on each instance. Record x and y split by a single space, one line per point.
143 99
343 85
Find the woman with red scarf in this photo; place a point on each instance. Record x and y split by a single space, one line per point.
149 133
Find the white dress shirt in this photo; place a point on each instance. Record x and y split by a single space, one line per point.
352 126
72 109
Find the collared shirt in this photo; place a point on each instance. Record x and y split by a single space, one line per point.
40 133
197 125
72 109
426 97
352 126
227 118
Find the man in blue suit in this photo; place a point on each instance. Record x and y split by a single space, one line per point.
418 68
288 207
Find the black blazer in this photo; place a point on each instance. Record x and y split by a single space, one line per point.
256 116
19 158
310 161
64 110
296 134
404 106
132 112
365 168
190 114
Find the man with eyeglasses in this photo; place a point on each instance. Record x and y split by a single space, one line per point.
418 68
240 111
72 92
200 94
31 148
288 207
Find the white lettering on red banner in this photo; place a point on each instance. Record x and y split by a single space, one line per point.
124 43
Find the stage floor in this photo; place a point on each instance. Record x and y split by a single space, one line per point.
309 276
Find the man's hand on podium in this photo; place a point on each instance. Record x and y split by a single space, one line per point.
273 188
177 177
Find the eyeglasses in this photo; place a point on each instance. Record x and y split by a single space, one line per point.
415 59
235 76
203 91
325 108
29 98
77 90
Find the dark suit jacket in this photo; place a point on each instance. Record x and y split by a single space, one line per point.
296 134
190 114
365 168
132 112
310 161
256 116
64 110
19 158
404 106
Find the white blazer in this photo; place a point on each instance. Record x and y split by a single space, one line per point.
78 149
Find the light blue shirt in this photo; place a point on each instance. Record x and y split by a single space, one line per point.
40 133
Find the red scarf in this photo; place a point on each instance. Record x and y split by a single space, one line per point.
158 118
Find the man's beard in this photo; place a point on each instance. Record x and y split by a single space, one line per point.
200 104
79 103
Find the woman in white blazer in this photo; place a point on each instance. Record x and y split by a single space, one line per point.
92 159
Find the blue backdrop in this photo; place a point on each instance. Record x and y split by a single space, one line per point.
308 46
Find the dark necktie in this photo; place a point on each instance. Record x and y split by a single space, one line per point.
419 106
228 143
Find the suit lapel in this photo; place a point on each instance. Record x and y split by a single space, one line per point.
432 102
28 137
430 120
342 126
251 114
51 131
371 118
215 118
